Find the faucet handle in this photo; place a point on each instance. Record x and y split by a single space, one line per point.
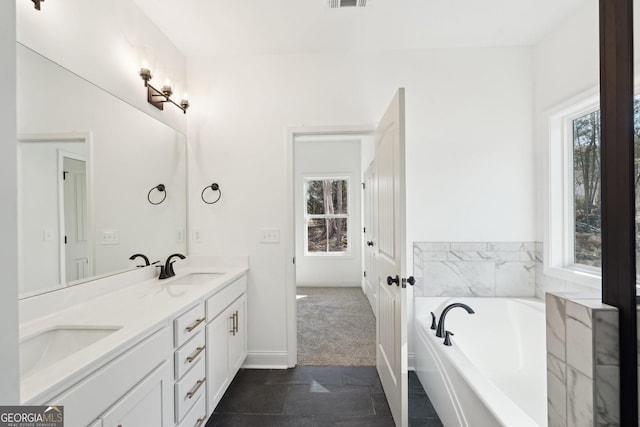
447 337
433 321
163 272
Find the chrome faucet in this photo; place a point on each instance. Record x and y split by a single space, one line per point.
440 331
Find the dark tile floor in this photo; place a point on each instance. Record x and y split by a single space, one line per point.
316 396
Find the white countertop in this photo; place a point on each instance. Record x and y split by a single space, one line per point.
139 310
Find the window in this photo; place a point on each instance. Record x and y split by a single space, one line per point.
586 189
574 226
326 216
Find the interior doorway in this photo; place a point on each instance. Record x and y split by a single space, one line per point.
335 322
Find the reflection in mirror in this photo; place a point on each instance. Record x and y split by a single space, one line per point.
86 161
53 212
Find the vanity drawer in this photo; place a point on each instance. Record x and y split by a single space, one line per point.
189 389
218 302
188 324
189 354
197 417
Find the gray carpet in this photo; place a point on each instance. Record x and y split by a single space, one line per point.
335 327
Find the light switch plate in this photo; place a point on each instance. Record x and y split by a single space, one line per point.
269 235
109 237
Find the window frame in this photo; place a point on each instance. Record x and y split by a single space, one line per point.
559 238
306 216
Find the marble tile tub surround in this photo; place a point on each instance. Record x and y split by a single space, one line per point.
582 361
546 283
486 269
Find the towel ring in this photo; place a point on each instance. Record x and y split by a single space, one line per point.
213 187
160 188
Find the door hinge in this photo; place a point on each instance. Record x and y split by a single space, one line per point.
364 230
363 185
365 274
294 260
65 240
64 175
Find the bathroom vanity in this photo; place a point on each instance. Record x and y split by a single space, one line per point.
138 351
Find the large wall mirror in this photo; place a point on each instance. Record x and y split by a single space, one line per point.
89 167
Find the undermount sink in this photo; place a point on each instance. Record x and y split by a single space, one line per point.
47 347
195 279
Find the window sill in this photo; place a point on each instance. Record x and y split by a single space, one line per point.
576 275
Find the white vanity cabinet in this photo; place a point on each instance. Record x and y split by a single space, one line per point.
148 404
226 338
134 389
189 366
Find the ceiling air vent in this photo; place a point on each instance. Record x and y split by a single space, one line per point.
336 4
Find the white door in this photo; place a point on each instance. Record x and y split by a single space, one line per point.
370 284
75 218
391 321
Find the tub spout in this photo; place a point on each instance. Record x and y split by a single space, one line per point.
440 331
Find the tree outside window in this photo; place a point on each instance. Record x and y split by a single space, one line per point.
326 216
586 187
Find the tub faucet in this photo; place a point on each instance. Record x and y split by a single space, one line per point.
168 266
440 331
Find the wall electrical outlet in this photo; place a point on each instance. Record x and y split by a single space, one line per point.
180 236
269 235
109 237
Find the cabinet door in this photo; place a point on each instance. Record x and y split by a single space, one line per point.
238 339
217 332
148 404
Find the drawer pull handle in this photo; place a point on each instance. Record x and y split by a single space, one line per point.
194 355
200 421
195 324
236 322
195 389
233 324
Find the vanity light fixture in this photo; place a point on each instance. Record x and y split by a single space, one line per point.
36 3
157 97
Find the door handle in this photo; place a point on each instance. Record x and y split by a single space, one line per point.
410 280
369 243
392 280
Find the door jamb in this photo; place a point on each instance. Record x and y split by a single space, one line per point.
290 249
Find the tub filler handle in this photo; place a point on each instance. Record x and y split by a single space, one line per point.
433 321
447 337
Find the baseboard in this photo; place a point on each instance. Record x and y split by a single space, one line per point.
329 285
411 362
266 360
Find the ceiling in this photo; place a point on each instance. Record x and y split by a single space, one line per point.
236 27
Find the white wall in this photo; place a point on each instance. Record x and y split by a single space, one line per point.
10 383
318 158
470 172
566 64
38 211
106 43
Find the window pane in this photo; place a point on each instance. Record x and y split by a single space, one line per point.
317 235
315 198
338 235
586 189
339 195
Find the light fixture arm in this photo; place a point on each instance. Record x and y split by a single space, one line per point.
157 97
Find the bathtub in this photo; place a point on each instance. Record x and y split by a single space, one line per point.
495 373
